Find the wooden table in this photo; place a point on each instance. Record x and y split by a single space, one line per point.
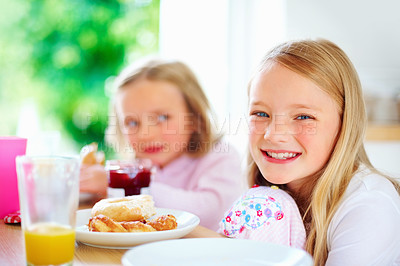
12 247
13 250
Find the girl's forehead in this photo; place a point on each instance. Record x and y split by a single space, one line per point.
145 87
279 85
149 96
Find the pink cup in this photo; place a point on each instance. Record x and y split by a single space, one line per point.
10 147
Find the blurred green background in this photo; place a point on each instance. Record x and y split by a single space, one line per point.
61 55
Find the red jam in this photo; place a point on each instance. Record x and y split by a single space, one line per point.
130 181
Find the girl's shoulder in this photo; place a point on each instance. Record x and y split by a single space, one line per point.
223 147
367 181
368 192
367 218
219 151
268 193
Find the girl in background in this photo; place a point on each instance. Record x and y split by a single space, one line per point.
163 114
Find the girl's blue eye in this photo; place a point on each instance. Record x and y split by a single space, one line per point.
162 118
303 117
261 114
132 123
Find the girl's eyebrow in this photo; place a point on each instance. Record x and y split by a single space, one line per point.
306 106
257 103
296 105
155 111
129 118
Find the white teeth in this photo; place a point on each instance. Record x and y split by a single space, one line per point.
282 156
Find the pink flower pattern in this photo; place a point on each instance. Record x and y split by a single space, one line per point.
251 212
267 214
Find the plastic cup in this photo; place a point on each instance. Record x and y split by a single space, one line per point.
10 147
49 197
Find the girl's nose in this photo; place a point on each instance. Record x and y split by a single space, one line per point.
148 130
277 131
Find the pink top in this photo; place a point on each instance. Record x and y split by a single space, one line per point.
266 214
204 186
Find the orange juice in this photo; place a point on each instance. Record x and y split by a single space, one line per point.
49 244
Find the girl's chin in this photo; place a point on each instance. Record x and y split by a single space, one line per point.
277 178
276 181
160 159
157 161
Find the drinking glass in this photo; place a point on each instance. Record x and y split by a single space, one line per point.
10 147
49 196
126 178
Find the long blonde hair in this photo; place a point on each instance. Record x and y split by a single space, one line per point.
184 79
325 64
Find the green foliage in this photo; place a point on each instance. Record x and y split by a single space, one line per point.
62 52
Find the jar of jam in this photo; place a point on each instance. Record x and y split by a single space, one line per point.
126 178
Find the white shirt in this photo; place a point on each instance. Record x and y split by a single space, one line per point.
365 230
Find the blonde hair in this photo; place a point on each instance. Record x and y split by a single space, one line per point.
325 64
184 79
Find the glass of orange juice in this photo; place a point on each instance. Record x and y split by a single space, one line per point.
49 196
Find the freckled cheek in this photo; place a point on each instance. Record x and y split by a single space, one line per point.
306 141
317 144
132 138
255 138
304 129
133 142
255 132
257 128
174 129
306 132
175 133
171 139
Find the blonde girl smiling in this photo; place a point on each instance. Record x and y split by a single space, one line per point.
308 122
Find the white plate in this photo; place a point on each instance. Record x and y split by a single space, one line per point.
186 223
214 252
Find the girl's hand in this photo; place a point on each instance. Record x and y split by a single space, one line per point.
93 179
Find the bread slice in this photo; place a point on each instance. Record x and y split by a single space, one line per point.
90 154
125 209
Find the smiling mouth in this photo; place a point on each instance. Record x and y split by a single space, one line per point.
153 149
281 155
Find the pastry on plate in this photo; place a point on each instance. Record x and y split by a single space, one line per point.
129 214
